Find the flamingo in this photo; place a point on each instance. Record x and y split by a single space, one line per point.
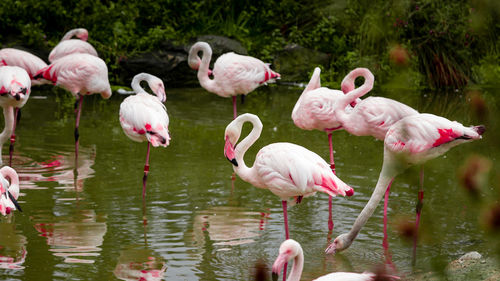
29 62
72 46
412 140
315 109
233 74
9 192
286 169
143 117
15 88
291 250
81 74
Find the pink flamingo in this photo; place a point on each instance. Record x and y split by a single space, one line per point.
15 88
412 140
315 109
143 117
286 169
233 74
29 62
81 74
291 250
9 192
72 46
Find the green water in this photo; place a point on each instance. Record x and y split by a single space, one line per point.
91 225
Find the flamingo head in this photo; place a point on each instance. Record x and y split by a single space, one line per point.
82 34
231 138
289 249
156 85
17 90
340 243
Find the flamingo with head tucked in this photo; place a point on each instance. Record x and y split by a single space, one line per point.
412 140
15 88
291 250
233 74
143 117
9 192
81 74
73 46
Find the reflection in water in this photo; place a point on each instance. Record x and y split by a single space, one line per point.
12 247
138 263
57 168
228 226
76 235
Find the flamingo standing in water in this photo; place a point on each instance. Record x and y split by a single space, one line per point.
143 117
291 250
73 46
233 74
9 192
81 74
410 141
15 89
315 109
29 62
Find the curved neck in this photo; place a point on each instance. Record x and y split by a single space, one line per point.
136 82
70 34
243 171
8 114
297 267
203 70
8 172
385 178
353 94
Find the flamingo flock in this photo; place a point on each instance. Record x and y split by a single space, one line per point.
289 171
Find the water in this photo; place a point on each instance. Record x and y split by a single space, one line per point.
90 224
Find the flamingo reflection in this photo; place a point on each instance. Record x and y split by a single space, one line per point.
12 247
137 263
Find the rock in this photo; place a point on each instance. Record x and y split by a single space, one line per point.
471 256
295 62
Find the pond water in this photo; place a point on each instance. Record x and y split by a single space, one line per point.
197 224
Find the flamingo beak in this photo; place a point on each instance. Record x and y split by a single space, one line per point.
18 207
330 249
279 263
275 276
229 152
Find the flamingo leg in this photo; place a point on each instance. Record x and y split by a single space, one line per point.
332 166
235 112
385 243
17 117
77 124
287 235
146 171
420 204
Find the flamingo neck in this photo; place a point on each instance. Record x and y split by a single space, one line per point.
353 94
136 82
8 113
203 70
70 34
385 178
247 173
313 84
297 267
8 172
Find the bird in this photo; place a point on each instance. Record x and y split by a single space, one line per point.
233 74
15 88
286 169
72 46
81 74
412 140
9 192
315 110
291 250
26 60
371 116
143 117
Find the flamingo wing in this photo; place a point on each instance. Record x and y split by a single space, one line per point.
291 170
317 110
29 62
347 276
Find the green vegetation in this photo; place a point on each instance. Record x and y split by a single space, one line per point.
436 44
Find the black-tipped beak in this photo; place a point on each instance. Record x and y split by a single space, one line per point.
18 97
233 161
24 90
275 276
18 207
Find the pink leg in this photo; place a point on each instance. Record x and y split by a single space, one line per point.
332 166
146 171
77 124
385 243
420 204
235 112
13 136
287 235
